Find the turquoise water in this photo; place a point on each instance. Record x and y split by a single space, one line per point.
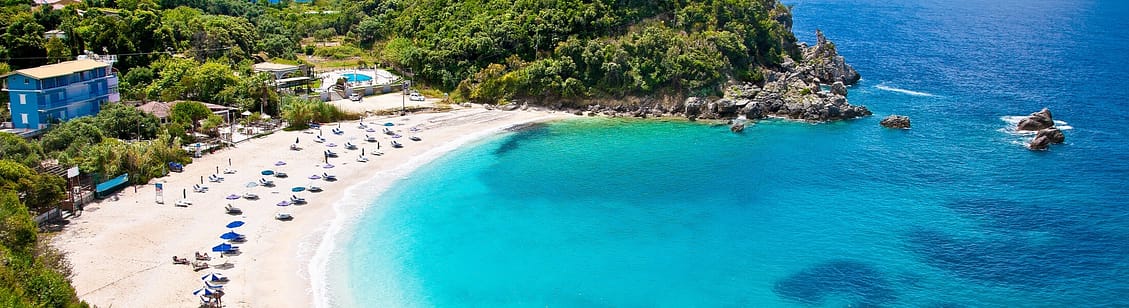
354 77
954 212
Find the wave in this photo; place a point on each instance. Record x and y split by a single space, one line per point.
903 91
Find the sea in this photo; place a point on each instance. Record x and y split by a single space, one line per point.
954 212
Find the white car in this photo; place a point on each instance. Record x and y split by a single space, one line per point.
415 97
355 97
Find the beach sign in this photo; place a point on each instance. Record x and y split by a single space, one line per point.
160 193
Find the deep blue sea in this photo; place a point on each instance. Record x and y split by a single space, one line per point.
952 213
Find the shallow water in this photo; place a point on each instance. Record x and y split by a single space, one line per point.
954 212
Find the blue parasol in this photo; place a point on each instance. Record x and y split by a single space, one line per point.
389 124
235 224
205 291
225 247
297 189
284 203
280 163
331 144
232 197
216 277
327 166
230 235
251 184
315 177
268 172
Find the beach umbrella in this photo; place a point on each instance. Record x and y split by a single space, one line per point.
267 172
284 203
205 291
230 235
222 247
251 184
232 197
297 189
235 224
389 124
331 144
280 163
213 276
327 166
315 177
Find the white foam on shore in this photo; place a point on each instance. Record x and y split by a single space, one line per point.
358 199
903 91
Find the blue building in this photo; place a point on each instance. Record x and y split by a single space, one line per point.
67 90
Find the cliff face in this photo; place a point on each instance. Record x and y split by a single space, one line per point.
794 91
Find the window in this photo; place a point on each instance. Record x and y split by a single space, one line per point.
27 81
23 99
23 116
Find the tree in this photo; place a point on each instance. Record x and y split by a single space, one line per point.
127 123
18 149
189 113
57 51
66 140
39 191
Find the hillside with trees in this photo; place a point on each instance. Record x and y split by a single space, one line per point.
483 51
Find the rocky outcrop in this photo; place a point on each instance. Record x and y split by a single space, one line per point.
1045 138
1037 121
895 121
827 64
737 127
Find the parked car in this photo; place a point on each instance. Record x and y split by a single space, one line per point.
415 97
355 97
176 167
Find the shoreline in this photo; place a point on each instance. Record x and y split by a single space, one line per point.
119 248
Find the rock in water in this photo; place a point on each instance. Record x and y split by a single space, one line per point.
1053 135
1039 143
838 88
1037 121
895 121
737 127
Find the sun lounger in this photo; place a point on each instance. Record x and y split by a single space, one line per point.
350 146
199 189
328 177
231 210
250 196
370 138
182 203
197 266
202 256
214 179
178 260
266 182
319 139
329 153
362 159
297 200
228 171
337 131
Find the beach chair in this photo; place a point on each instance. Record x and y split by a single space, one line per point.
362 159
266 182
202 256
328 177
370 138
178 260
182 203
295 147
337 131
197 266
319 139
297 200
250 196
329 153
228 171
214 178
231 210
199 189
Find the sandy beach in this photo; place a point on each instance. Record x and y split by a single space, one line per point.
122 250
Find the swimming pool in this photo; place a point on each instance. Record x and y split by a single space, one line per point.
354 77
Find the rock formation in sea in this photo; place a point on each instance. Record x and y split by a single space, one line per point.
1036 121
1045 137
792 91
895 121
1044 124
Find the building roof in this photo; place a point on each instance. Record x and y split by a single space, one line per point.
164 109
158 109
61 69
274 67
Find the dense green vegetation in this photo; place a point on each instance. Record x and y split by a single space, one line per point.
482 50
32 273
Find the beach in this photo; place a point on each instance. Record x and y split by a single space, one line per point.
122 250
